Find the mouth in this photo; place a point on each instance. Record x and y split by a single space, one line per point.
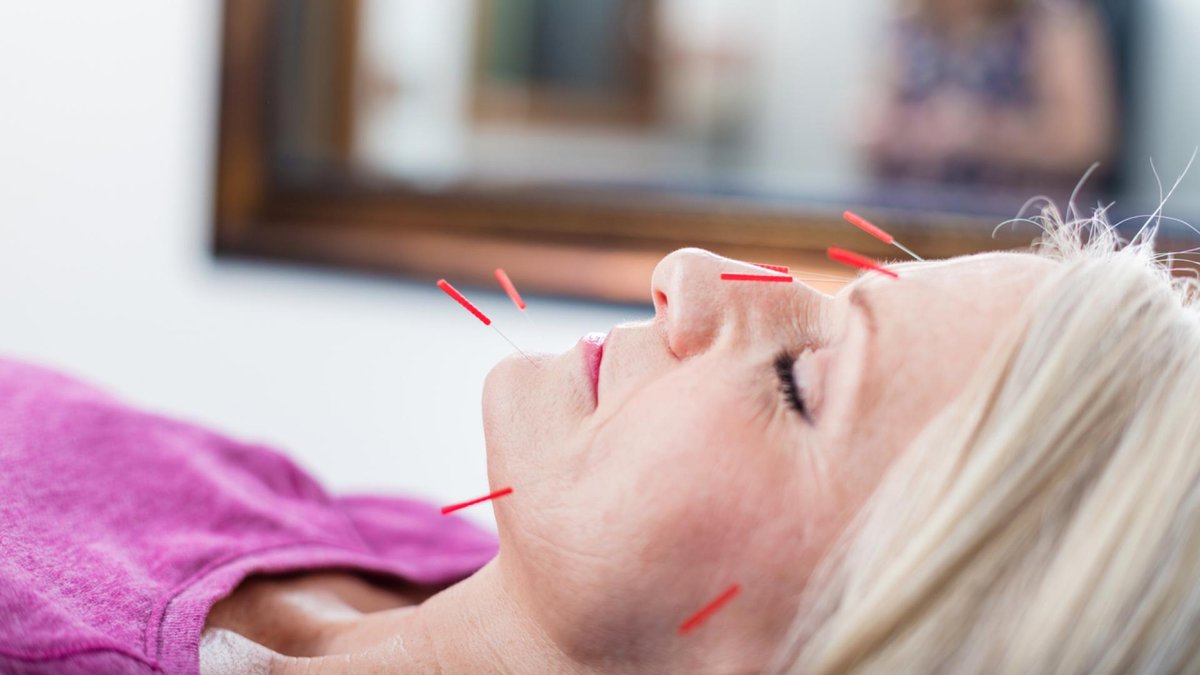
592 346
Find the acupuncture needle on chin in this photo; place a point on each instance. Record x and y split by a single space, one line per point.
511 290
450 290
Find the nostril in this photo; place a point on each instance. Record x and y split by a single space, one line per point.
660 303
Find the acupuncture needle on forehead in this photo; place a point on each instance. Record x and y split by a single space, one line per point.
862 262
461 299
877 232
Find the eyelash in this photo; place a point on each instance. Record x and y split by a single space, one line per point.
785 370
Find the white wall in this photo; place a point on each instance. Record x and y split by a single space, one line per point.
106 132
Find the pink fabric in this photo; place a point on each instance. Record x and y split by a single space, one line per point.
119 529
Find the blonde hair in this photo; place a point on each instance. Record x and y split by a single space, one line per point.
1049 519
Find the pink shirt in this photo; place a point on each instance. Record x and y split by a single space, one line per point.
119 529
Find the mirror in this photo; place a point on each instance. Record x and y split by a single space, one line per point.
921 102
743 125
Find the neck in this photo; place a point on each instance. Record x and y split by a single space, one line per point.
473 626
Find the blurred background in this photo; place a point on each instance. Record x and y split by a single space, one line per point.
941 104
119 157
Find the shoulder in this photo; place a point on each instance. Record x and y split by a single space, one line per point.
225 652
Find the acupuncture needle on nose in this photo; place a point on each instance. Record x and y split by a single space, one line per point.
771 278
768 278
782 269
877 232
461 299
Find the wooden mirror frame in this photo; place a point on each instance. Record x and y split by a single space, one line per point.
591 243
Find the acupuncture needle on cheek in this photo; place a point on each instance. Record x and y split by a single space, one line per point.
461 299
708 610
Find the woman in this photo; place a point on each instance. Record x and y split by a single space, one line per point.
988 464
1017 94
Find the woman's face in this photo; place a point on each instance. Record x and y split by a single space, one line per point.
686 466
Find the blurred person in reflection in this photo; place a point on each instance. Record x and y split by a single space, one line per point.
1008 94
989 464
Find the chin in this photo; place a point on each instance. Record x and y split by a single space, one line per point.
506 391
503 387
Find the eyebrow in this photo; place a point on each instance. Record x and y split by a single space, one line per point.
860 298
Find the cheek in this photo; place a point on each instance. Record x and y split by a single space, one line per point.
705 500
642 519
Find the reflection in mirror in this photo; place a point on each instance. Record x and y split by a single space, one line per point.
938 104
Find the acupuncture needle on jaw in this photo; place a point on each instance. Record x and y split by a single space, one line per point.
451 508
483 318
877 232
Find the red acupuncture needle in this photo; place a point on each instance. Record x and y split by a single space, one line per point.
708 610
462 300
507 285
782 269
777 278
470 307
877 232
451 508
860 261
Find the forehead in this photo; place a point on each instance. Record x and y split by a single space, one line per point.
922 336
977 281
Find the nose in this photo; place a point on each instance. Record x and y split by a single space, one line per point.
688 300
695 307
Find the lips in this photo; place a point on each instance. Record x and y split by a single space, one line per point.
592 346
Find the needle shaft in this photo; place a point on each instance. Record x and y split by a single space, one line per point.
907 250
514 345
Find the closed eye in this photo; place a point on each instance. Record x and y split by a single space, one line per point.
785 370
